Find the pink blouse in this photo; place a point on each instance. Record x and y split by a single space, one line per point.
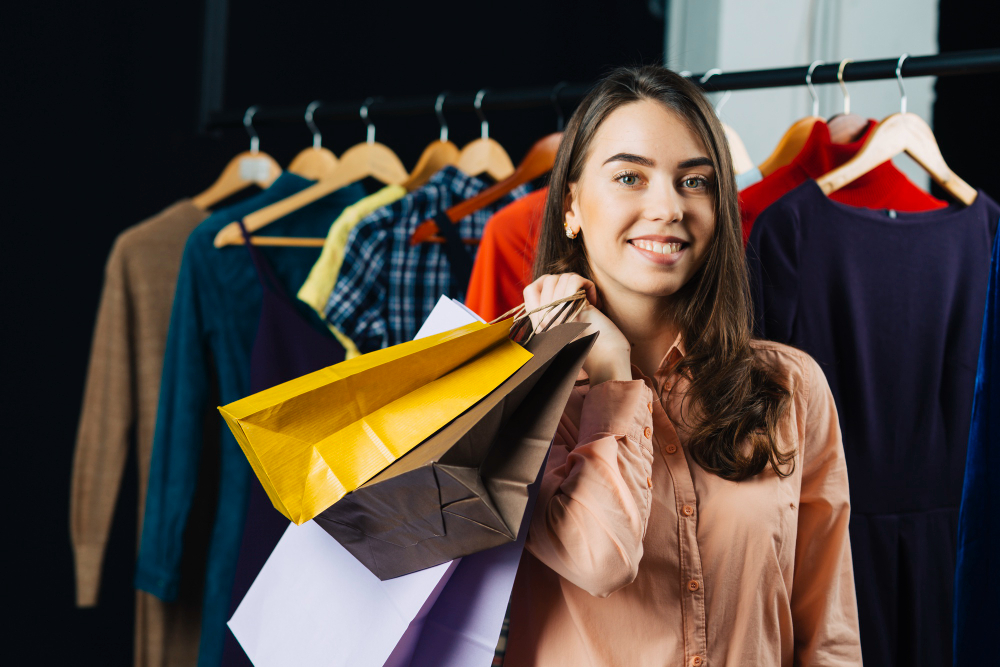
636 556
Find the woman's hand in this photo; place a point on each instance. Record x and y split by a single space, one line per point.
610 358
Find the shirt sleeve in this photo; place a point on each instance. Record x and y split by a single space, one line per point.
357 306
103 434
824 606
593 505
177 440
772 257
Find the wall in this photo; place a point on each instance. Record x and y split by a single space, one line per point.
740 35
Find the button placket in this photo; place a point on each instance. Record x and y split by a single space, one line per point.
695 631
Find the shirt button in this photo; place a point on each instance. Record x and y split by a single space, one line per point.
671 449
649 482
647 432
697 661
693 585
687 510
649 406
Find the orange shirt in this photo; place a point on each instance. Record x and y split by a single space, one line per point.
504 260
636 556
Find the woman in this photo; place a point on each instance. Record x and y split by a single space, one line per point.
694 507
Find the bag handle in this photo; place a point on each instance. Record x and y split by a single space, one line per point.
567 309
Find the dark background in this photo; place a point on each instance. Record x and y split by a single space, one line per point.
102 124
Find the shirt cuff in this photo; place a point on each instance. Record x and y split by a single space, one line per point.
162 585
618 407
88 559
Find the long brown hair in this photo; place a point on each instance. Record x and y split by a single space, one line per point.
739 398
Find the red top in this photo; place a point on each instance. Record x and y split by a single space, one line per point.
503 265
882 187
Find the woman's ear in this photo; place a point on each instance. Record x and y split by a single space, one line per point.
571 209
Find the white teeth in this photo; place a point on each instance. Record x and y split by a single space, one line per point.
662 248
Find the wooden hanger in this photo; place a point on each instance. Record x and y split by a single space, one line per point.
485 155
900 133
315 162
845 127
438 155
538 162
737 149
358 162
795 137
248 168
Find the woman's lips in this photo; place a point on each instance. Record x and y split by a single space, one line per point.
664 254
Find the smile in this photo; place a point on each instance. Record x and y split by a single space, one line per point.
653 246
663 254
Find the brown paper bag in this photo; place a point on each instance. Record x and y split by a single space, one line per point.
465 488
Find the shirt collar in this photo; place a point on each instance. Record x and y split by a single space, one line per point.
452 178
669 361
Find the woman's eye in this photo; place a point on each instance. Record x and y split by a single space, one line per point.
693 183
628 179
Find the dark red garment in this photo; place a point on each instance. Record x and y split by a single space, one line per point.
287 346
884 187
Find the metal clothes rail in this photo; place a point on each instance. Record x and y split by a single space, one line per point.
568 95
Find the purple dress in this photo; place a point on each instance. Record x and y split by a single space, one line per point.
287 346
891 306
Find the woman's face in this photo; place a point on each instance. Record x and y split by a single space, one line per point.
644 202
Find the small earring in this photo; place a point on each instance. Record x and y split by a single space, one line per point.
569 231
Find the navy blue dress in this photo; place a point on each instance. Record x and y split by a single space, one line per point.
977 581
287 346
891 306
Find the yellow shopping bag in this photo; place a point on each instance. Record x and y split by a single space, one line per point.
316 438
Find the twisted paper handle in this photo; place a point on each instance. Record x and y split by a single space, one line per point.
567 309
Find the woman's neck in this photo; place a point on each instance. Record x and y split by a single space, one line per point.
646 324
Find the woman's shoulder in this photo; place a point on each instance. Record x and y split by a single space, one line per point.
795 366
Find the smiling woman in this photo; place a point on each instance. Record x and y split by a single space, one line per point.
694 507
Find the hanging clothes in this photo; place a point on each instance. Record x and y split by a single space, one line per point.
212 329
316 290
505 262
884 187
386 288
288 345
977 585
123 383
890 304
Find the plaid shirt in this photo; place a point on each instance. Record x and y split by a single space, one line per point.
386 288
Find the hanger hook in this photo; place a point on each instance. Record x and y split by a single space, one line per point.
725 98
439 111
843 86
364 116
812 89
484 124
899 80
248 125
560 119
317 136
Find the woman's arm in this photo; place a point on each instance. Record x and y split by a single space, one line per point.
594 501
824 606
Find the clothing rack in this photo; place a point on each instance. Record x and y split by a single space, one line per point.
569 94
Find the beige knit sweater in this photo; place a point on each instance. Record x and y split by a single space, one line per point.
119 407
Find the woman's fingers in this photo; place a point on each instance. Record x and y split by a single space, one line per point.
549 288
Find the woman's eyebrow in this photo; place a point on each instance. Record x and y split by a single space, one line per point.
695 162
631 157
